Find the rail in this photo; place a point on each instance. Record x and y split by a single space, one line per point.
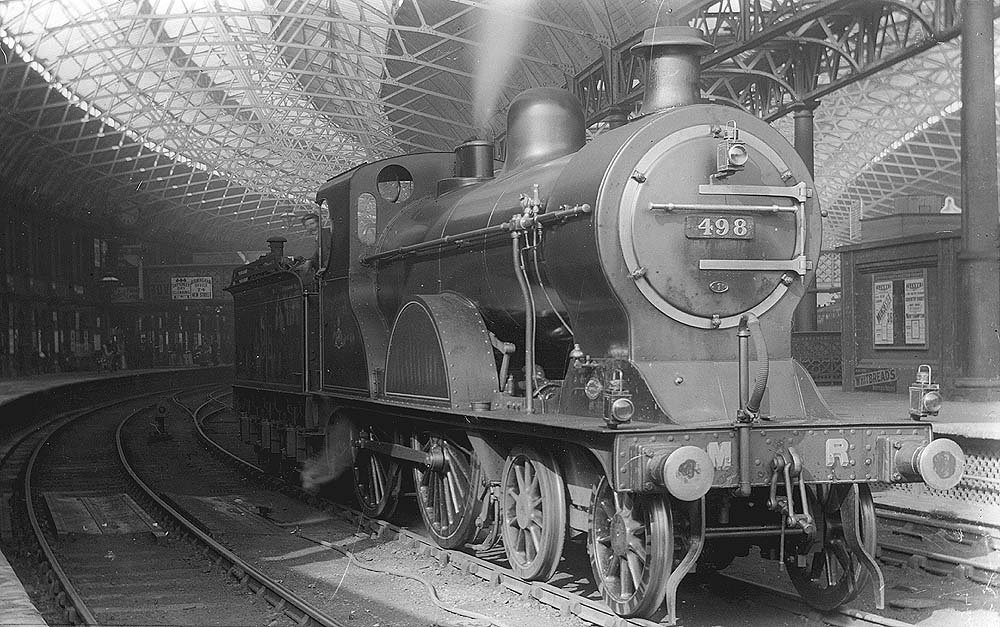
290 603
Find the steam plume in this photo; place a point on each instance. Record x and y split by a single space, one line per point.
502 34
337 456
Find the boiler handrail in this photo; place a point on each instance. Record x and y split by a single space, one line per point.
459 239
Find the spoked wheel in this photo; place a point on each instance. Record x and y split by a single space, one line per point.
631 549
448 491
833 574
534 513
377 479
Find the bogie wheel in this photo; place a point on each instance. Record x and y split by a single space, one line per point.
832 574
377 479
533 506
631 549
448 491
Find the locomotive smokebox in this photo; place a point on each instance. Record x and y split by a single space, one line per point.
474 159
542 124
673 69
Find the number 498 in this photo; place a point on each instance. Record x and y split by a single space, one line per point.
721 227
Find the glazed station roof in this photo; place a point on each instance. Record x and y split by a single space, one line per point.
218 119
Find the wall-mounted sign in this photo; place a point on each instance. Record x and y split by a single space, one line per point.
899 309
875 379
191 287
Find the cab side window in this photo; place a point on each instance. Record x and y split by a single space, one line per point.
367 233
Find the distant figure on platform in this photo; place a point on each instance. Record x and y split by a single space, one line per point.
107 357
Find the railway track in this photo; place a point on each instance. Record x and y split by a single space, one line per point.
138 564
562 598
31 557
941 547
234 516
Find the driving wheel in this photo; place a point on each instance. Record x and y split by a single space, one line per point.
448 490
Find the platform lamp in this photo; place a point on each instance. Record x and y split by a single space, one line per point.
218 334
109 284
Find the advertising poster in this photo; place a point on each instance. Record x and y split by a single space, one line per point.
915 311
882 312
191 288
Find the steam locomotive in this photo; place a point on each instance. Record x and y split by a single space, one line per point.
592 343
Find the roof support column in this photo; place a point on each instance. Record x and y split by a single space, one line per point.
979 262
805 312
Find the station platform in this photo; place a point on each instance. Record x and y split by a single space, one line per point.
17 607
976 428
957 418
11 389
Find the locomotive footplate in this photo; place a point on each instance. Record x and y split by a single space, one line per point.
690 463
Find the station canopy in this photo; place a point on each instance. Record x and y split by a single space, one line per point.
217 120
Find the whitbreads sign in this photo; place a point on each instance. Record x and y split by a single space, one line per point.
875 379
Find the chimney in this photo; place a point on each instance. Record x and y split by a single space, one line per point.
474 159
673 68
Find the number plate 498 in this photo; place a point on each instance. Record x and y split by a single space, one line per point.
718 227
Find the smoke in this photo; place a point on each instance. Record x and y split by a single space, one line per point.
502 34
336 457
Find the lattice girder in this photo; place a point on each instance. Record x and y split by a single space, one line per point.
221 118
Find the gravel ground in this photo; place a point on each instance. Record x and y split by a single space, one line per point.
385 584
376 599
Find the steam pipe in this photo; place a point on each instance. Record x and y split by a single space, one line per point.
763 368
742 346
529 323
743 418
749 408
506 349
743 433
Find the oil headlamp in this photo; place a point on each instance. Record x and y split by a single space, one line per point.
731 153
618 405
925 396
